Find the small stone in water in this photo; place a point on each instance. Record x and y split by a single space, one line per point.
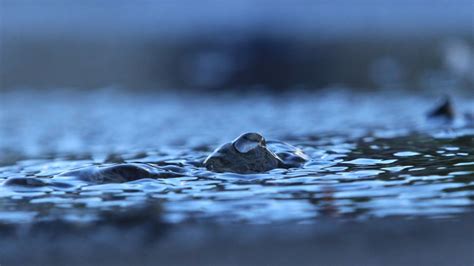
249 154
444 111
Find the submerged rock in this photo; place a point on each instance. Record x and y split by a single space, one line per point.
26 182
34 182
121 173
249 153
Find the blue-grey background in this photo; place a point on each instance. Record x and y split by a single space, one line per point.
220 45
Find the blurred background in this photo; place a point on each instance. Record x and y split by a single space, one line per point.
245 44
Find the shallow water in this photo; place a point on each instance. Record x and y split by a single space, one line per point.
370 157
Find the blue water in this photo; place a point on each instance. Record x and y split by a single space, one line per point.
372 155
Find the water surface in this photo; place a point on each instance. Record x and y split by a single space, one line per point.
370 156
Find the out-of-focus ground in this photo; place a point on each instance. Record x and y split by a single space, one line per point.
215 45
380 242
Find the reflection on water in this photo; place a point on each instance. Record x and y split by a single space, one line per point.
369 157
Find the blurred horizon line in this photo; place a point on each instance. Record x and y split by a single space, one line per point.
213 45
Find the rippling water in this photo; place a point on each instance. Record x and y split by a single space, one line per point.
372 155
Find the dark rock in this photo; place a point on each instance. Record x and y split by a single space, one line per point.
249 154
444 111
120 173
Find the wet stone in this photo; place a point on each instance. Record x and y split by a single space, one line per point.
443 111
249 153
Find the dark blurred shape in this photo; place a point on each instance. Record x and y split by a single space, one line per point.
443 111
215 45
